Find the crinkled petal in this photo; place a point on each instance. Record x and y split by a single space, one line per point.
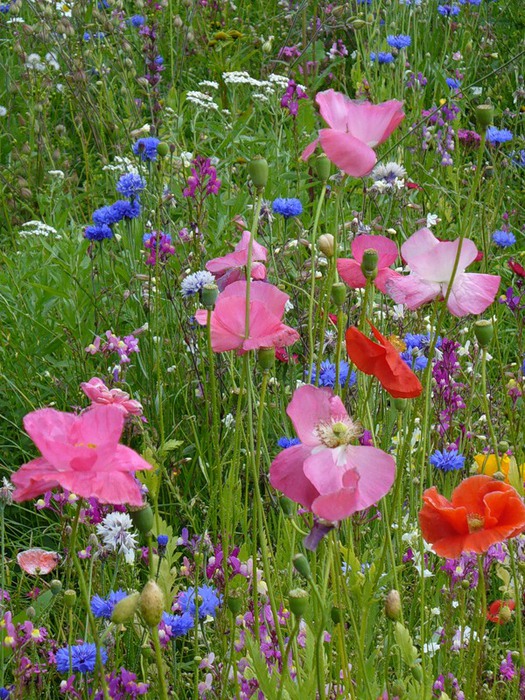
434 260
472 293
412 290
309 406
350 272
33 479
383 276
376 470
309 150
351 155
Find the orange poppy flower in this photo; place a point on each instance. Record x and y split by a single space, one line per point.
482 511
384 362
500 611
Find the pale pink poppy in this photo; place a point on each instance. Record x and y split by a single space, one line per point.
228 319
81 454
99 393
356 128
328 473
350 270
37 562
431 264
231 267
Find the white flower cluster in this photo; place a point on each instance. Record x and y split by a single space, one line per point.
35 62
202 99
114 530
122 166
211 84
37 228
267 87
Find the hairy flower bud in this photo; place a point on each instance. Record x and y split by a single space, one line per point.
258 172
326 244
301 565
483 330
125 609
151 603
393 605
142 519
322 165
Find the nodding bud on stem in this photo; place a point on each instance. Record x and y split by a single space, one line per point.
258 172
125 609
483 330
151 603
302 566
393 605
322 166
326 244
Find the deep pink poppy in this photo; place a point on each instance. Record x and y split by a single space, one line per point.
231 267
431 264
99 393
228 319
350 270
356 128
328 473
81 454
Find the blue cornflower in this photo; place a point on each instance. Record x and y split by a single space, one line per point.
83 658
498 135
518 158
86 36
417 340
453 83
103 4
448 10
417 363
162 540
4 693
287 207
447 461
209 601
130 185
192 284
159 60
146 148
285 442
327 374
137 20
106 215
399 41
98 232
382 57
4 9
503 239
179 624
122 209
103 607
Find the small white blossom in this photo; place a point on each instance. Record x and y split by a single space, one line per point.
116 536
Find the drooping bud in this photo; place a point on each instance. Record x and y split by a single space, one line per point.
298 601
55 586
484 115
258 172
125 609
151 603
30 612
70 598
266 358
209 294
338 293
369 263
322 165
163 149
400 405
393 605
302 566
287 505
142 519
326 244
483 330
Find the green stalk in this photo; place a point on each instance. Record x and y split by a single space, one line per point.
154 631
313 239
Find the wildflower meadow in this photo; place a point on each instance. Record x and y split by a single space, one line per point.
262 358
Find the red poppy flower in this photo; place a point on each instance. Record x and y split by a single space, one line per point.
384 362
500 611
481 512
516 268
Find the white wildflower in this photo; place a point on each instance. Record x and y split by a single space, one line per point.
115 533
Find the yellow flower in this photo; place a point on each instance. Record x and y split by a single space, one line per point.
487 464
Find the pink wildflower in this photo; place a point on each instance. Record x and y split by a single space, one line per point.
350 270
99 393
80 454
230 268
327 473
37 562
431 264
355 129
228 320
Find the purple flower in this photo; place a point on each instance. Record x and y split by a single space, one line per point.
103 607
495 136
382 57
203 179
98 233
146 148
399 41
130 185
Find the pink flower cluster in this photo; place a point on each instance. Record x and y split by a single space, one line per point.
99 393
113 343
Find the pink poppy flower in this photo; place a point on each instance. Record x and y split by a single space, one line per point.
80 454
355 129
37 562
350 270
228 319
431 264
230 268
327 473
99 393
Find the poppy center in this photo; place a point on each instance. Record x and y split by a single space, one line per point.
476 522
338 432
91 445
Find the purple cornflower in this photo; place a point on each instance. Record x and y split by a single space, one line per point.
503 239
103 607
177 625
448 10
203 179
447 461
207 603
453 84
98 232
290 99
286 442
159 246
146 148
287 207
137 20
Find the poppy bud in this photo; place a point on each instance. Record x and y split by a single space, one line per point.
505 614
393 605
417 672
338 293
258 172
484 115
147 652
209 294
503 446
70 598
142 519
336 615
266 358
163 149
234 602
400 405
398 688
30 612
358 23
55 586
287 505
326 244
322 165
369 263
302 566
125 609
151 603
483 330
298 601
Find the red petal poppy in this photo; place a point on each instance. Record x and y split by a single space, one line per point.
384 362
516 268
481 512
500 611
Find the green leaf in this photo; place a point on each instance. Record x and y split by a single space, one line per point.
404 642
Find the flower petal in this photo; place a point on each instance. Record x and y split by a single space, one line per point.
386 249
349 154
472 293
350 272
310 405
412 290
287 475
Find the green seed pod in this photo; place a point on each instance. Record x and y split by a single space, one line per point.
503 446
322 166
125 609
55 586
266 358
483 330
142 519
258 172
70 598
163 149
338 293
484 115
369 264
151 603
209 294
302 566
298 601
